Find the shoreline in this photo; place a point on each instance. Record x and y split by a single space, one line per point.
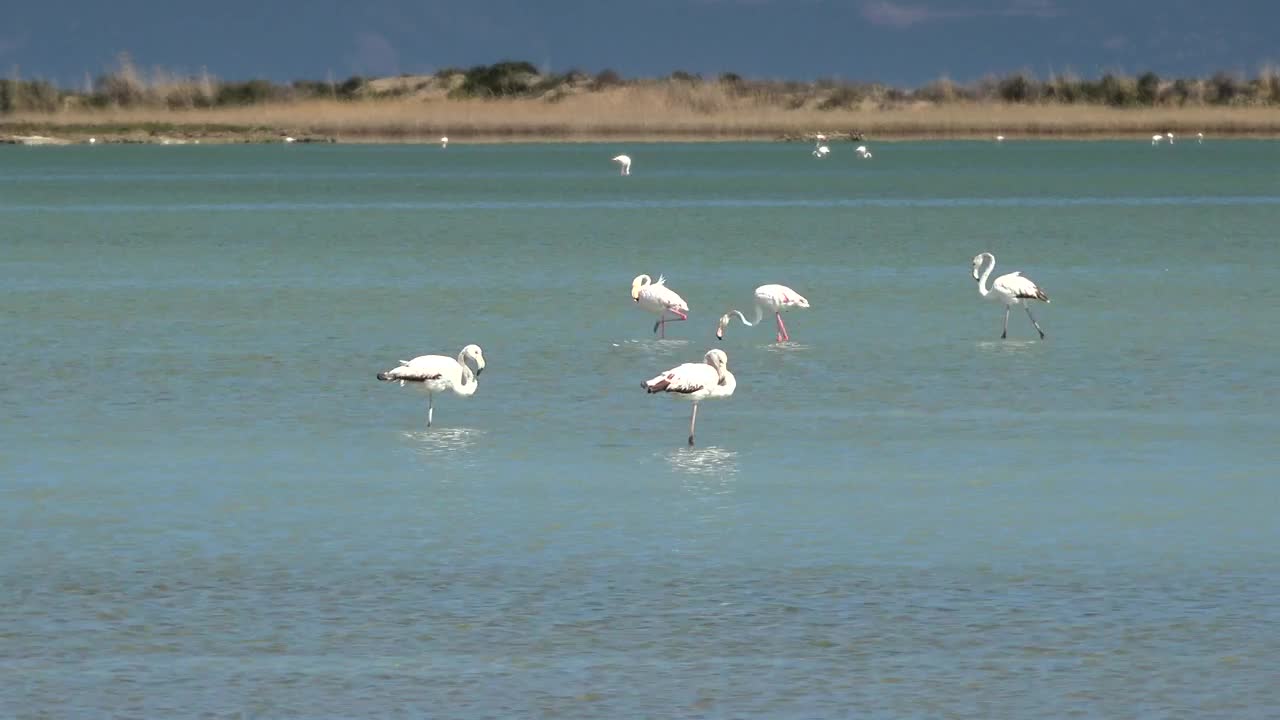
598 120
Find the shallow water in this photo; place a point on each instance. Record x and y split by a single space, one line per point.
209 505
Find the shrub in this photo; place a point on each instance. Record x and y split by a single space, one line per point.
1148 90
1017 89
502 79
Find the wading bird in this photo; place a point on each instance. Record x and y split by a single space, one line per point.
773 298
625 162
863 152
437 373
709 379
656 297
1011 289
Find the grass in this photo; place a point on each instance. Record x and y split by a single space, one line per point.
663 110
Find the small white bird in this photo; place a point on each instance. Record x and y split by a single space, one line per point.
93 141
999 138
1199 137
773 298
1170 136
437 373
444 142
863 152
289 139
656 297
1011 289
1155 139
819 138
625 162
821 151
709 379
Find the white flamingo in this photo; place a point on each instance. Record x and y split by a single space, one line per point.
1200 137
437 373
1170 136
625 162
821 151
656 297
1011 289
1155 139
709 379
773 298
288 139
999 138
444 142
863 152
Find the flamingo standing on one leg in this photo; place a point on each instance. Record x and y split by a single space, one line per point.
775 299
437 373
1011 289
709 379
624 161
656 297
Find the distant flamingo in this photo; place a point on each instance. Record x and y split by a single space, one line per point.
1155 139
444 142
1170 136
625 162
999 138
1011 289
863 152
438 373
709 379
656 297
1200 137
775 299
821 151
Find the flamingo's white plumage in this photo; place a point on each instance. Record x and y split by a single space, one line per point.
863 152
821 151
93 140
709 379
1200 137
1169 135
438 373
444 142
999 138
657 298
289 139
1155 139
773 298
1011 289
624 161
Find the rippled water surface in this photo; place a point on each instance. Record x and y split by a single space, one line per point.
210 507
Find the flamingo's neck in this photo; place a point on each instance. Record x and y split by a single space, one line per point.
988 262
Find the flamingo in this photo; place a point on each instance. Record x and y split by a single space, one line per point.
1155 139
656 297
444 142
709 379
999 138
625 162
93 140
1200 137
288 139
438 373
863 152
775 299
1011 289
821 151
1170 136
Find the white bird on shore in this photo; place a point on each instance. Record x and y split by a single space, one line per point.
1170 136
863 152
773 298
444 142
288 139
821 151
709 379
1011 289
625 162
1155 139
437 373
999 138
656 297
93 141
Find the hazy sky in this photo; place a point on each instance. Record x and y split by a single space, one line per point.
904 42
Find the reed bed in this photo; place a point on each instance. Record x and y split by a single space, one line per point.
639 112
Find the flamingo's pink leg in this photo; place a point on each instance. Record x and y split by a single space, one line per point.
782 328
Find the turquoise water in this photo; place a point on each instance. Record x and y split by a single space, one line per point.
208 505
